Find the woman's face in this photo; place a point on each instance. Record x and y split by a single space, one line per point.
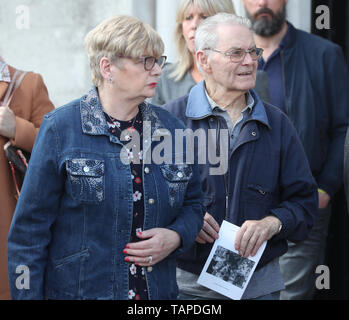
133 81
192 18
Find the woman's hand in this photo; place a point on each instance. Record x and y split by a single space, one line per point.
157 243
7 123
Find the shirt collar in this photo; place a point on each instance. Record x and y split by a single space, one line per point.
4 72
199 107
249 106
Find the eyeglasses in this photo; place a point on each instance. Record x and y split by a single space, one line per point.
149 62
238 55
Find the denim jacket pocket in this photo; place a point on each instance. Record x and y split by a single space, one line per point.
177 177
77 257
86 178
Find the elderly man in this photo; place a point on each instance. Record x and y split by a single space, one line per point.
268 188
308 80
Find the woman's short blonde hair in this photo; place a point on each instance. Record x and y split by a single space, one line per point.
209 8
120 36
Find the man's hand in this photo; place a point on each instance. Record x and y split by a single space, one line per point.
324 200
209 232
252 234
7 123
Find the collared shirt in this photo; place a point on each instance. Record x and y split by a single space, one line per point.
4 72
273 68
234 129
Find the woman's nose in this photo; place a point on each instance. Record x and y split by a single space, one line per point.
195 23
157 70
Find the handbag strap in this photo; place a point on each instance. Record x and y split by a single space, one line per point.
15 83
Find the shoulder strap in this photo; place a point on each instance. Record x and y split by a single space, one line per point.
15 83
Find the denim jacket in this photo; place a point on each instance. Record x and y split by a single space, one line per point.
74 215
268 174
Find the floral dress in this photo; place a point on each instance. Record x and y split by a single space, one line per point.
137 281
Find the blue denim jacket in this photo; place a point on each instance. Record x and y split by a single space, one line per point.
74 215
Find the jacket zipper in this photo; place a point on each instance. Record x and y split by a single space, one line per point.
225 176
283 78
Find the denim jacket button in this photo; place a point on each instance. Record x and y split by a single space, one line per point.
254 134
146 170
180 175
151 201
86 169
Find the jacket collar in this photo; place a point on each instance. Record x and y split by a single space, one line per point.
93 120
198 106
290 38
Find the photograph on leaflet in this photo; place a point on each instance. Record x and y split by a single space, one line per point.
225 271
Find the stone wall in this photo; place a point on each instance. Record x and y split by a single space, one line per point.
46 36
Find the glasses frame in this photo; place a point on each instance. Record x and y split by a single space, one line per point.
229 55
144 61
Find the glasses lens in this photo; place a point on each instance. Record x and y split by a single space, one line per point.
256 53
149 63
236 55
161 61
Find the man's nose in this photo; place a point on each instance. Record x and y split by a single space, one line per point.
247 59
262 3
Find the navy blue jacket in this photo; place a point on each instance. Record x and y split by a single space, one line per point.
268 175
317 102
74 215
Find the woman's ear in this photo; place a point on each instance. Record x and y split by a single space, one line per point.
105 68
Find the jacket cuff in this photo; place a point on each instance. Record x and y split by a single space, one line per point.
286 220
329 184
25 135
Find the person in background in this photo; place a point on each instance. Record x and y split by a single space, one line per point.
268 189
20 119
309 82
99 217
178 78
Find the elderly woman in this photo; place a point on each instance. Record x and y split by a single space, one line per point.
97 218
21 113
177 79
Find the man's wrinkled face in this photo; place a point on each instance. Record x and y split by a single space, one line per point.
233 76
268 16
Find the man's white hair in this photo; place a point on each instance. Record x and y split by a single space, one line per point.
206 36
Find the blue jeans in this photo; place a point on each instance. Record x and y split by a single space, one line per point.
298 265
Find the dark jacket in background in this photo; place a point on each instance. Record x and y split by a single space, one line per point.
317 102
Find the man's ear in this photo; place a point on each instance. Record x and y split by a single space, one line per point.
203 61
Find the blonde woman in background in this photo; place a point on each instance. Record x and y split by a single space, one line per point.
178 78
